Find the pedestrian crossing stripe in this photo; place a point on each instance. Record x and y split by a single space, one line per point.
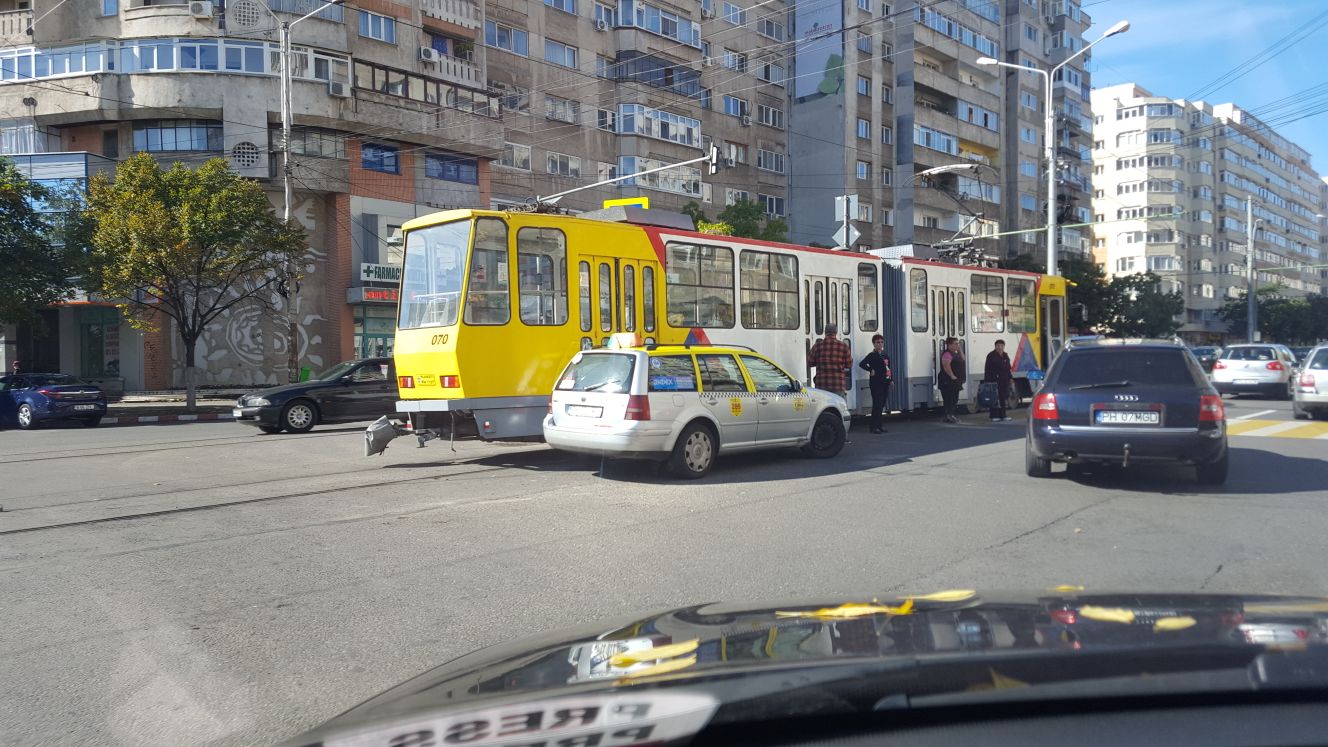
1277 428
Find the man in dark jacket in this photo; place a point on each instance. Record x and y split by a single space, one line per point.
999 372
877 365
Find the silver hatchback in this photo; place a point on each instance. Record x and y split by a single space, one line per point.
1310 398
1258 368
685 405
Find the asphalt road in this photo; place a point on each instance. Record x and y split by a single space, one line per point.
203 584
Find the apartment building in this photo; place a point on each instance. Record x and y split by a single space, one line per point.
392 119
594 90
1171 179
900 91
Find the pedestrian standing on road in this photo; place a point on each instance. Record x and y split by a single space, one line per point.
951 377
877 365
833 362
999 372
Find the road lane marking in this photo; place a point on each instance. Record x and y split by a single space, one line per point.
1277 429
1254 415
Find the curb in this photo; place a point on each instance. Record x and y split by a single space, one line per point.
154 419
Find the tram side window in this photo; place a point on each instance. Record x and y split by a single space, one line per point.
698 285
583 279
818 304
629 298
541 256
917 281
869 298
769 285
487 297
987 298
648 298
434 266
1023 306
845 307
605 298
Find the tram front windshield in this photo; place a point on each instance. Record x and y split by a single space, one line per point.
431 283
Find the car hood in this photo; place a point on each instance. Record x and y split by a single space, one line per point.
286 390
945 644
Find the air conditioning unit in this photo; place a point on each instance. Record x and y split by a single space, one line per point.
429 55
707 12
707 61
601 25
728 162
746 120
201 8
338 89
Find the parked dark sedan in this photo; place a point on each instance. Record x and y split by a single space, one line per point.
1121 402
31 399
349 391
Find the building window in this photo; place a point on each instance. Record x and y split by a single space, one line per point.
639 119
769 160
735 152
374 26
173 135
735 14
887 134
735 107
865 5
864 129
864 169
864 85
864 42
771 29
1028 135
770 73
1028 202
451 168
771 204
110 7
1030 32
515 156
887 93
935 140
770 116
1029 101
706 98
864 212
566 6
506 38
606 119
559 53
605 171
384 158
769 284
562 110
309 141
735 60
606 14
887 176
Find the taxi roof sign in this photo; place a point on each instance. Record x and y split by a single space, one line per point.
625 340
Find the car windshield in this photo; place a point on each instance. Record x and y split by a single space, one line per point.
1085 368
337 371
599 372
1249 354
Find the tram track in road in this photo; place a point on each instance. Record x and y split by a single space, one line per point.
196 443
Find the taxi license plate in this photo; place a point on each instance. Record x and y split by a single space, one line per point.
584 411
1128 417
85 407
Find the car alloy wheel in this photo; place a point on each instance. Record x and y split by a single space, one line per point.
828 436
25 417
299 416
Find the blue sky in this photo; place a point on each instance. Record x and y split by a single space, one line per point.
1176 47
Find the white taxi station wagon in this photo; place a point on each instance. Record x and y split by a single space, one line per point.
686 404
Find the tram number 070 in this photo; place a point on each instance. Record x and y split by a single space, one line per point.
438 340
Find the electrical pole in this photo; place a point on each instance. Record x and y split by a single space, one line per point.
1252 313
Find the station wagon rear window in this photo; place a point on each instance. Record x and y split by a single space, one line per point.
1139 367
672 373
604 372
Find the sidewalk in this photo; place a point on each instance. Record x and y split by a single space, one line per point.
154 410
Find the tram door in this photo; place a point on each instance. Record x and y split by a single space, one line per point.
948 309
828 300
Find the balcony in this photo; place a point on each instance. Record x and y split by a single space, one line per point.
463 13
459 71
14 28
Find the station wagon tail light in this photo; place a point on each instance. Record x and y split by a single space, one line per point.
638 407
1219 364
1307 380
1211 409
406 382
1044 407
1275 366
449 382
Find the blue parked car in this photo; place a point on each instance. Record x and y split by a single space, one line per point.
30 399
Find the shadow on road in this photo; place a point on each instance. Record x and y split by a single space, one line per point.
1253 472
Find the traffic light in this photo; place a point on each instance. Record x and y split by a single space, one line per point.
713 161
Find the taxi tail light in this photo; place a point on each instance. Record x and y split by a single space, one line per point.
1219 364
1044 407
1275 366
550 405
449 382
1211 409
638 407
406 382
1307 380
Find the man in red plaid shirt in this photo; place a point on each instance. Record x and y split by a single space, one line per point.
833 362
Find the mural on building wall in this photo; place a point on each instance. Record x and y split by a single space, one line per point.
248 345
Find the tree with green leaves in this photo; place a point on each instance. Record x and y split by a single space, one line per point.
1281 319
185 245
1142 309
1091 303
743 218
39 256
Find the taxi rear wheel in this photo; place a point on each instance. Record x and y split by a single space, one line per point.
694 453
828 436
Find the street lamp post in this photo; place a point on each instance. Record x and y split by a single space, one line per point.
292 331
1049 131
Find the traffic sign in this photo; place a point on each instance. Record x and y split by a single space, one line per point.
846 235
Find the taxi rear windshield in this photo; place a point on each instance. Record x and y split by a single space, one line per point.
1139 367
603 372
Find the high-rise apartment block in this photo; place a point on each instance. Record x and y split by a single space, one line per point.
1171 182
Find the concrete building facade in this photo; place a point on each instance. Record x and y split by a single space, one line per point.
1171 178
